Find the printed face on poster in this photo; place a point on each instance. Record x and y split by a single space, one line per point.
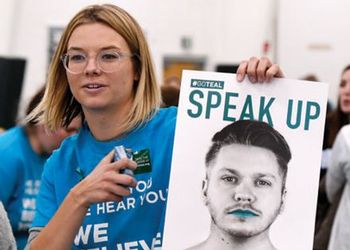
255 182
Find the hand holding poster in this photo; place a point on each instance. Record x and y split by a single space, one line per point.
248 184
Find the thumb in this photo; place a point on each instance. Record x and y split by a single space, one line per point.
108 158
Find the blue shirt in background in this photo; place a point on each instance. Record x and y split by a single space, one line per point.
20 173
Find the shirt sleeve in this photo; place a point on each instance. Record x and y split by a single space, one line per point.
33 233
339 164
46 203
7 241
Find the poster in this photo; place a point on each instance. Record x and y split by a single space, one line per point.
211 101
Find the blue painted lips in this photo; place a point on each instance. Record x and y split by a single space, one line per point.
243 213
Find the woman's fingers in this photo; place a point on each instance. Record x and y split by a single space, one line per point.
258 70
273 71
252 69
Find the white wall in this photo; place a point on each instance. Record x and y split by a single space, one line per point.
8 19
225 31
314 38
312 34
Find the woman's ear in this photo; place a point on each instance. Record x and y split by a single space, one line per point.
137 69
136 77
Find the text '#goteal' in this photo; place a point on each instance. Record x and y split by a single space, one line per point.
207 84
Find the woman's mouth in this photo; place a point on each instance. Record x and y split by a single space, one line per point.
93 86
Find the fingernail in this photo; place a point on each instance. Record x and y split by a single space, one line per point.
239 77
252 79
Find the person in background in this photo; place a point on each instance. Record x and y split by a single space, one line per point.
23 152
338 179
7 241
170 92
102 70
340 116
335 120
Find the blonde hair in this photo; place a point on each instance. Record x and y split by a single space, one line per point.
59 106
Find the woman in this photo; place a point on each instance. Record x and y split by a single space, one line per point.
338 174
341 115
335 121
106 75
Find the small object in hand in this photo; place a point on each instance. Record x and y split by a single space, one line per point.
119 153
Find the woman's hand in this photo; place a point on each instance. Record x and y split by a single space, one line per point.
105 183
258 70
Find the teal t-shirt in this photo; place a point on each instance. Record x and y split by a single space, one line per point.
137 221
20 174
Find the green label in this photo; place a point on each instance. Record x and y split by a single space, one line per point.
207 84
143 160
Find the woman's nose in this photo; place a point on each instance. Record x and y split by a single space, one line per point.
347 88
92 66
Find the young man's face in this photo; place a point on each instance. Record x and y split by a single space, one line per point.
244 189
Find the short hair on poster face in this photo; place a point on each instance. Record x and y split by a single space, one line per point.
252 133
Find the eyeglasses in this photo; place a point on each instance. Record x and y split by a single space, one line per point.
107 61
